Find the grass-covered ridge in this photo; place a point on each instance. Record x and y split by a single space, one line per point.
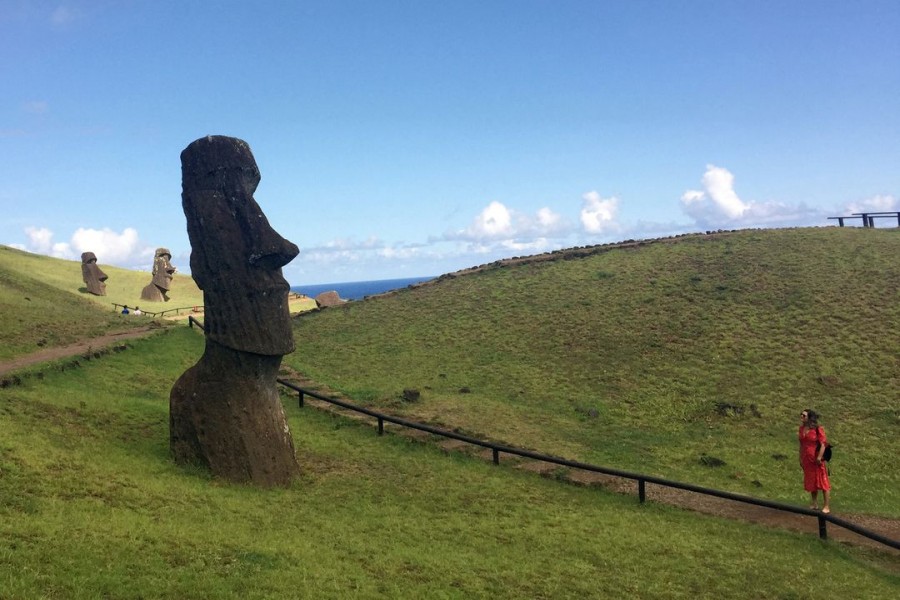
92 506
123 286
652 357
43 303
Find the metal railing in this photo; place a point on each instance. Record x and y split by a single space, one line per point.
639 478
868 218
161 313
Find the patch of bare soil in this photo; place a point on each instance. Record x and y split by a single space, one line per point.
710 505
77 349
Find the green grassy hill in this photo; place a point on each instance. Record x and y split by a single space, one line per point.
653 357
44 302
91 506
123 286
571 357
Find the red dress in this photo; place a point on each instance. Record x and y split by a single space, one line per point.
815 475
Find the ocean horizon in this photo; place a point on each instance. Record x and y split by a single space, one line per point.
357 290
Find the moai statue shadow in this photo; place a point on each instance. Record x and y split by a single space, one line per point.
93 277
163 272
225 411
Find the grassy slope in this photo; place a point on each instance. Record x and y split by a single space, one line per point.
43 301
630 358
91 506
41 306
123 286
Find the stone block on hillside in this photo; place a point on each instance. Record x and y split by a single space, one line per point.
326 299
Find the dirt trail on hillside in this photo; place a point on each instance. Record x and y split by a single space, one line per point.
75 349
701 503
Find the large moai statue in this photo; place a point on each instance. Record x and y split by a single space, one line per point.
225 412
93 277
163 272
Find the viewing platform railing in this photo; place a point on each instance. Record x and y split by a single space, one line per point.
868 218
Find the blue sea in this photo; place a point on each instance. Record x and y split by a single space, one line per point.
357 290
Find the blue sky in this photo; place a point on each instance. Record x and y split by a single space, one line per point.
412 138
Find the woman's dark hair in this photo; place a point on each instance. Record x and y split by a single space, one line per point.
812 418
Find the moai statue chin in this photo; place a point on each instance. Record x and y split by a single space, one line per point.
163 272
225 411
94 278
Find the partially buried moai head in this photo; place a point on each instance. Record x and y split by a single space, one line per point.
163 271
93 277
236 256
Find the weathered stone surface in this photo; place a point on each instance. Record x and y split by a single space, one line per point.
94 278
163 272
225 411
326 299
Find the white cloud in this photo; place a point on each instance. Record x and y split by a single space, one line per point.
880 203
534 246
109 246
40 239
718 203
497 223
719 184
399 253
598 215
549 221
345 244
494 222
123 249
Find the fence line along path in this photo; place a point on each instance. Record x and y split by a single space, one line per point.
641 480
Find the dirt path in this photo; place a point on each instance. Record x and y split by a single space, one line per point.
76 349
683 499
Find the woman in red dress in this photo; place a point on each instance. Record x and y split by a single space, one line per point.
815 473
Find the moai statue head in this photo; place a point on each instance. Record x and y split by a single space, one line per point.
163 272
93 277
236 256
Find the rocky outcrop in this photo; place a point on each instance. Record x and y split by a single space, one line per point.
326 299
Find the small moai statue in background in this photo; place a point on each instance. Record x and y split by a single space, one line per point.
225 412
163 272
93 277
